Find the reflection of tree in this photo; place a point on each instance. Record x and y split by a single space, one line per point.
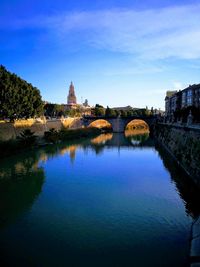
98 148
72 153
186 188
21 184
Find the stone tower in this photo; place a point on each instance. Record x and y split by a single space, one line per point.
71 99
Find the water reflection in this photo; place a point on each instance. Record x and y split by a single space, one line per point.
21 181
71 150
186 188
137 137
22 178
97 208
102 139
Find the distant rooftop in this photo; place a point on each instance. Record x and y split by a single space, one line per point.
171 93
123 108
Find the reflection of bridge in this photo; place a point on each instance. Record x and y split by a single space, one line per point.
119 123
120 140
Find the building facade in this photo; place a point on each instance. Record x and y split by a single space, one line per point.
170 102
179 100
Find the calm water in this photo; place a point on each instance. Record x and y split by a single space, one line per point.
111 201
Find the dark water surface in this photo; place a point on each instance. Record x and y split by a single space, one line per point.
110 201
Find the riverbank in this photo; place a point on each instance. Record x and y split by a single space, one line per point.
15 146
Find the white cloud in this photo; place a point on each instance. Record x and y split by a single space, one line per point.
148 34
152 34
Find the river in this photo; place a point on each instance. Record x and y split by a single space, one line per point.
113 200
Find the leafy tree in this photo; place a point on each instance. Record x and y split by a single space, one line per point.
147 112
108 112
123 113
54 110
98 106
72 113
85 104
18 99
99 110
129 113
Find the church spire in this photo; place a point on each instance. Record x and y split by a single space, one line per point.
71 99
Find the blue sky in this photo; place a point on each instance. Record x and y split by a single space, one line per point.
117 53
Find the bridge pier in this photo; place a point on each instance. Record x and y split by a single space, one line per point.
118 125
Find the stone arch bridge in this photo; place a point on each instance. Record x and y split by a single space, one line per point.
119 123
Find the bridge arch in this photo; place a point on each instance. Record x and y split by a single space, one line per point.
137 124
101 124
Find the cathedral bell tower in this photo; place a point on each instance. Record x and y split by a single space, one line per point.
71 99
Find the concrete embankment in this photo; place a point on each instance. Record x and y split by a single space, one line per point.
183 143
12 130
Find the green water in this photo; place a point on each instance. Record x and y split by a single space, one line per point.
110 201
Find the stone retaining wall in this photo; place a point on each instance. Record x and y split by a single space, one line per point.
12 130
184 144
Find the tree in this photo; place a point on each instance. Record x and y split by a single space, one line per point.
54 110
129 113
147 112
99 110
85 104
18 99
108 111
98 106
123 113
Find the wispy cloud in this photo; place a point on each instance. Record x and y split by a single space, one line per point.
177 85
138 69
148 34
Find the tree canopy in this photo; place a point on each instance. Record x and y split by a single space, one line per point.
18 98
99 110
